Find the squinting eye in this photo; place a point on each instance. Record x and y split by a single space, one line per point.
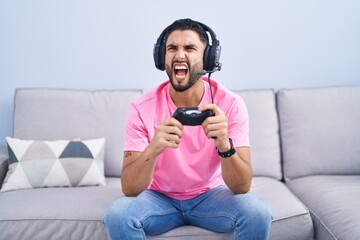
190 49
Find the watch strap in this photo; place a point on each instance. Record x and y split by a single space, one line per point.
229 153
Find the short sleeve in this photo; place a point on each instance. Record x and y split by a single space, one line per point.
239 123
136 137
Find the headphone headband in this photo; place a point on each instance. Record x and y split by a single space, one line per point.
211 55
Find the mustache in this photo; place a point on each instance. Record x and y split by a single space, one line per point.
180 62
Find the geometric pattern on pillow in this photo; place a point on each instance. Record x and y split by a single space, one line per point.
59 163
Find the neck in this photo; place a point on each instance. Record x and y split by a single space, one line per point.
189 98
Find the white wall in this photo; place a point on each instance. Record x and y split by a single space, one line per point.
108 44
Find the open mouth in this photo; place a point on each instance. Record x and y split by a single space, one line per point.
180 71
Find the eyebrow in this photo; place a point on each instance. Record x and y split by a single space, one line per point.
187 46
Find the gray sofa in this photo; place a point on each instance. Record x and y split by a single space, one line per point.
305 154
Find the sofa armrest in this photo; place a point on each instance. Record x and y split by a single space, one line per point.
3 163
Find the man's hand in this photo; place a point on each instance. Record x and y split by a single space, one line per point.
240 162
216 127
168 134
138 167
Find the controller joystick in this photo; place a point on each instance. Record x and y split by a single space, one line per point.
191 116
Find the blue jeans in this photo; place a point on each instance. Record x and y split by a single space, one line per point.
218 210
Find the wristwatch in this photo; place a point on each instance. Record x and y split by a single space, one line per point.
229 153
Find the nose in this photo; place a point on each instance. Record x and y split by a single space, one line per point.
180 54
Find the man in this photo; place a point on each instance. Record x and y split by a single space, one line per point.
175 174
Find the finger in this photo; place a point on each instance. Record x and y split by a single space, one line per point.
216 110
173 138
165 143
212 128
173 130
219 121
171 126
217 129
173 122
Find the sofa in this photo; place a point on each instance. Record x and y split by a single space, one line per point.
305 148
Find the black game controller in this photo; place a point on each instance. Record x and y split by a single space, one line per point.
191 116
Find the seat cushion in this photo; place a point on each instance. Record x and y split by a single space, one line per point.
333 202
52 114
191 233
57 213
320 131
291 219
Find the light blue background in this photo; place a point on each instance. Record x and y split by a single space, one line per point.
108 44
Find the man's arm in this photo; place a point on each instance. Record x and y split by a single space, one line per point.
236 170
138 167
137 171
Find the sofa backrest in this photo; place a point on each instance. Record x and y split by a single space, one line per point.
264 132
320 131
51 114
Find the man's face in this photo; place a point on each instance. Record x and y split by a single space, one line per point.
183 58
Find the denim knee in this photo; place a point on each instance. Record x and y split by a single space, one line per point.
116 213
121 222
259 211
254 218
111 215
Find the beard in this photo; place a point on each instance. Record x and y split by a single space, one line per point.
193 78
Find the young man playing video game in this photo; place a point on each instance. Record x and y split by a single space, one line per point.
181 165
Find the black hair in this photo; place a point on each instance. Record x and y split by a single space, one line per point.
188 24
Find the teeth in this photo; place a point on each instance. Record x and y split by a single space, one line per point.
180 67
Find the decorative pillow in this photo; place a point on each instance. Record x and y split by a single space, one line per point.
60 163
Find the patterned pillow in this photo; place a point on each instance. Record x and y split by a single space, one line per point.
60 163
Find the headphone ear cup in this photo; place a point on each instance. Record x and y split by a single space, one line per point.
156 55
211 57
162 53
160 50
206 58
159 56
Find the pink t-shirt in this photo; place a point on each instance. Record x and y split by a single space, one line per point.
194 167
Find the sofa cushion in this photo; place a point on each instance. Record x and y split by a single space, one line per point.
333 202
57 213
291 219
61 163
52 114
191 233
264 132
320 131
